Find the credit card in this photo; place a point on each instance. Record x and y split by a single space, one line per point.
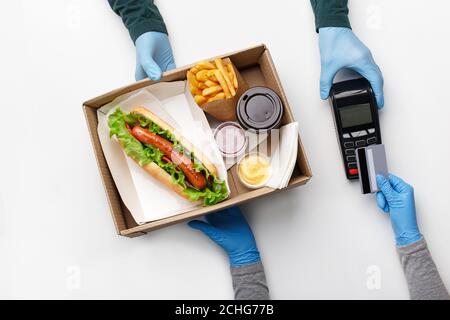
371 161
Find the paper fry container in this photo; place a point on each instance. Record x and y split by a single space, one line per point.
225 109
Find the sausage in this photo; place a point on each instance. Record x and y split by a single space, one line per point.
197 179
148 137
165 159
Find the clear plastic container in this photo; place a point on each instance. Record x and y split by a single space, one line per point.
231 139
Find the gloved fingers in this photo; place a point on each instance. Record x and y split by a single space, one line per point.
165 58
170 66
235 211
228 219
381 202
167 65
327 74
209 230
372 73
151 68
221 218
385 187
398 184
376 80
140 73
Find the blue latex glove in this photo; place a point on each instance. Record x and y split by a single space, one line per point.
340 48
153 55
397 198
230 230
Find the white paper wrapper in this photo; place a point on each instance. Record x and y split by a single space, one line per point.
284 157
146 198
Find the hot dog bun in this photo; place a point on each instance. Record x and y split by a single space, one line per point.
185 143
162 176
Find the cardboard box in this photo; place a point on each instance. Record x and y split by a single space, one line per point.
257 68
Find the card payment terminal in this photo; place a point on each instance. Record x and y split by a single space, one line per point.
356 120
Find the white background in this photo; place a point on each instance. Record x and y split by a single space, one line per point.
57 239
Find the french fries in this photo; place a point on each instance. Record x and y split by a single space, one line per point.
192 79
218 96
223 84
225 75
212 81
232 75
211 91
206 65
200 100
202 75
195 91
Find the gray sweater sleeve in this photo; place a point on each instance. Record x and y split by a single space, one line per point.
249 282
424 281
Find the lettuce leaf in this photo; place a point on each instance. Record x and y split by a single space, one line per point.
210 195
144 154
216 192
133 148
176 174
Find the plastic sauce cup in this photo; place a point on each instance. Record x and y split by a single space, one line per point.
231 139
254 170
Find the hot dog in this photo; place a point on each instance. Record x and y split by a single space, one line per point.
178 164
197 179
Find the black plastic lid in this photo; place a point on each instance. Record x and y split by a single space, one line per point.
259 108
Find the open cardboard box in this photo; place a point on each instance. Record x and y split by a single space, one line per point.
257 68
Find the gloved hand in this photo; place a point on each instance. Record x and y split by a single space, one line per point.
397 198
153 55
229 229
340 48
